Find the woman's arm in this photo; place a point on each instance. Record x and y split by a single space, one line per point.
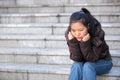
89 51
93 48
73 45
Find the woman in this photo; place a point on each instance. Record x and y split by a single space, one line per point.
87 47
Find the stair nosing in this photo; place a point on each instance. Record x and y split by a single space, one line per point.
61 5
52 14
43 52
47 37
97 4
47 69
50 25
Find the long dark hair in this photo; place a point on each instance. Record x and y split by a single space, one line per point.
85 17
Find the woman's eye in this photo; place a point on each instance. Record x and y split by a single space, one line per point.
81 30
73 30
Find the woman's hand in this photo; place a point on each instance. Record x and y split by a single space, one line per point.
70 36
86 37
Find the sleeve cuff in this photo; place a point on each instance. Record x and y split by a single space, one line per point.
74 40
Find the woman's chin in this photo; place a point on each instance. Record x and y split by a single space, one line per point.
79 39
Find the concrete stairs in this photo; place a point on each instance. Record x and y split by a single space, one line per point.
53 18
43 56
32 42
46 41
44 64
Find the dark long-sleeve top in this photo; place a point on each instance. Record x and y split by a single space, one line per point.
92 50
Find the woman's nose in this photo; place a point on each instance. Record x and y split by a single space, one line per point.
77 33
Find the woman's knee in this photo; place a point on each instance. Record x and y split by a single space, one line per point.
88 66
89 72
77 65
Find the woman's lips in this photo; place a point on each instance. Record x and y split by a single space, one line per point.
79 37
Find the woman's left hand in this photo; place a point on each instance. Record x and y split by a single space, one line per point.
86 37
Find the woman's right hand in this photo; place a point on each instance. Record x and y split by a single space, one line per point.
70 36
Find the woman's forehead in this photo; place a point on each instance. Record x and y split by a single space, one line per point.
77 25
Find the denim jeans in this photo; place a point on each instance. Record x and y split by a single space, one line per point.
89 70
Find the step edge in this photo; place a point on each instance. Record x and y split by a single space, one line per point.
60 70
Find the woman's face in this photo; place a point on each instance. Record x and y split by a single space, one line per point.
78 30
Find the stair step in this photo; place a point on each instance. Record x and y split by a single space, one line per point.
47 41
32 42
32 25
43 56
7 2
36 2
93 2
104 7
51 28
56 2
45 72
54 18
102 17
58 8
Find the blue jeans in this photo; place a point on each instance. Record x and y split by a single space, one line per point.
89 70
